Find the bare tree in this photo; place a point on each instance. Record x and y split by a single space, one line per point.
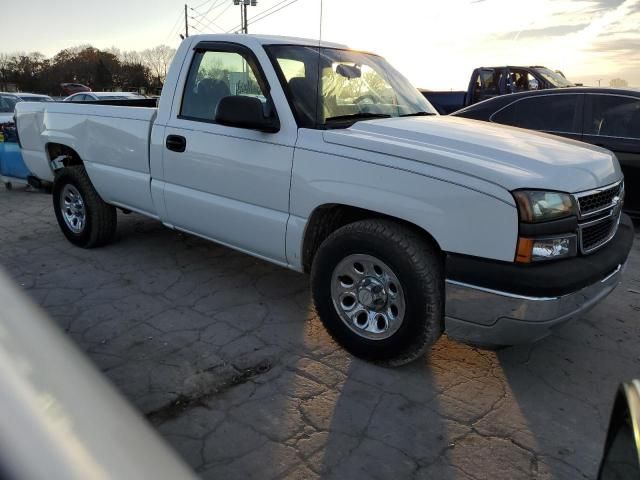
131 58
5 61
158 59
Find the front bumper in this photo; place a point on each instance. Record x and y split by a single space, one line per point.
484 315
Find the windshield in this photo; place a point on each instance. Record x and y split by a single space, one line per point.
333 88
554 78
7 103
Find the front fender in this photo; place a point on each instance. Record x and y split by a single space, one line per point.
460 219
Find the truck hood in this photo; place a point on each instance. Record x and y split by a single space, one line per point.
510 157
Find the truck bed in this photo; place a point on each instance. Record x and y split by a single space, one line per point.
445 102
113 140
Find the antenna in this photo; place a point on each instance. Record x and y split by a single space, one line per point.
321 11
318 78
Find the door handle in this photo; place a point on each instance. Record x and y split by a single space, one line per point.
176 143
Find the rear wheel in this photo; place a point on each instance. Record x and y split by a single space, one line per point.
84 218
378 288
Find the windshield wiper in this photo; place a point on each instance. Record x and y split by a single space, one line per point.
418 114
357 116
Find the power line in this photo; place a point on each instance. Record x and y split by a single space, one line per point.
210 22
214 4
259 14
171 32
207 26
275 11
266 13
203 3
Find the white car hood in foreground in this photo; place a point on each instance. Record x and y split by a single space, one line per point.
510 157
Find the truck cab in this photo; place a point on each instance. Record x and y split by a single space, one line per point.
490 82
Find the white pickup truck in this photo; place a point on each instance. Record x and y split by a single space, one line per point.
326 160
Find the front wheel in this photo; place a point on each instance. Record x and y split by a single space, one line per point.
378 288
84 218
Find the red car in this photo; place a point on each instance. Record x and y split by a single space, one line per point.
71 88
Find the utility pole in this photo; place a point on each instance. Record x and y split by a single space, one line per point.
246 24
244 19
186 22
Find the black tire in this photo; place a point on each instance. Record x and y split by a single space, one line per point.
100 217
418 265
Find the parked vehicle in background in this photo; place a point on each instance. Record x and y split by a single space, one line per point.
33 97
327 160
7 107
8 103
98 96
71 88
489 82
607 117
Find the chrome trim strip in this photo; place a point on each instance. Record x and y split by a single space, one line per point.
611 274
524 297
501 293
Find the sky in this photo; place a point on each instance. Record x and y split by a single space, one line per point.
436 44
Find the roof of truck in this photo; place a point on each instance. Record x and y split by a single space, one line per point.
269 40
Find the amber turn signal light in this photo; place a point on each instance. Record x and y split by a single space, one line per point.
525 249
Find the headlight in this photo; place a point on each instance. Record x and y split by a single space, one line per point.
539 206
551 248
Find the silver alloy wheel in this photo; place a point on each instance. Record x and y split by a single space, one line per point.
368 296
73 209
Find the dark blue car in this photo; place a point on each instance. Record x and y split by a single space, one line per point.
607 117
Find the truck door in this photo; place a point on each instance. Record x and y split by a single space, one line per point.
486 84
228 184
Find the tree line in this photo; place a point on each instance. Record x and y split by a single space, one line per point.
98 69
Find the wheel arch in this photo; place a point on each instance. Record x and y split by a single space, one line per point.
64 154
327 218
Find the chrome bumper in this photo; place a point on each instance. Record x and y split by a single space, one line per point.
489 317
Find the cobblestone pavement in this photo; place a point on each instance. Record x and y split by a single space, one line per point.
225 356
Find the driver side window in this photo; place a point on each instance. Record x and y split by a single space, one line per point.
214 75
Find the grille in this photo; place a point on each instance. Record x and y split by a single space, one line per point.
598 200
595 235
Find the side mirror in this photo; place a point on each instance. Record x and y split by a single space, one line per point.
245 112
533 84
621 458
